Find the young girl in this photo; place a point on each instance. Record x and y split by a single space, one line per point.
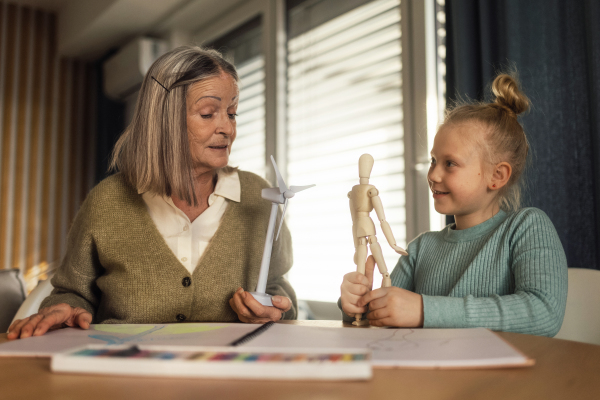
498 266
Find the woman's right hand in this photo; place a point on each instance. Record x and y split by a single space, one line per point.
47 318
354 286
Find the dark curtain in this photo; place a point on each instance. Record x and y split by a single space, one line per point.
110 121
555 46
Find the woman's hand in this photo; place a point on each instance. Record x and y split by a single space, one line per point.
251 311
47 318
393 306
354 286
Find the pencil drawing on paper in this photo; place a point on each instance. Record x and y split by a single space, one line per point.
397 339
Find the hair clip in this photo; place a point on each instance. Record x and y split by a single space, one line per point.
168 91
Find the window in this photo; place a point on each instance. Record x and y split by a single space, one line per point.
325 84
242 47
344 100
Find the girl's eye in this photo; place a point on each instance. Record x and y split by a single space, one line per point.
449 164
206 116
432 160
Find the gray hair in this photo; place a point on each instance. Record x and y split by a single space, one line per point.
153 153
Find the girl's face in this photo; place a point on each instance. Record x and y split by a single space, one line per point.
458 177
211 106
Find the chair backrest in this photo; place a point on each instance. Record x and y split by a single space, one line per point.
12 295
582 316
32 303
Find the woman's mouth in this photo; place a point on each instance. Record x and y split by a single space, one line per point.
220 147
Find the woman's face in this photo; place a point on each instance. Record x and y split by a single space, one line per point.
211 106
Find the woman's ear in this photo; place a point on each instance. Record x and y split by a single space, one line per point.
501 176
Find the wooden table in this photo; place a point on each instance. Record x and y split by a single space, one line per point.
563 370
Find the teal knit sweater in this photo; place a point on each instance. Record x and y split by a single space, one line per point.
508 273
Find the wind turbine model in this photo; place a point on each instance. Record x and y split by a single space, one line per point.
277 196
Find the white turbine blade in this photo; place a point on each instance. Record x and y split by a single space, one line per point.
282 185
297 189
282 216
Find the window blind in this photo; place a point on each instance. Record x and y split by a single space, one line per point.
242 47
344 100
248 150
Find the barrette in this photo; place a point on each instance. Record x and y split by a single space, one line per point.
163 86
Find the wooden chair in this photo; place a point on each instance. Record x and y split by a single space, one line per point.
582 316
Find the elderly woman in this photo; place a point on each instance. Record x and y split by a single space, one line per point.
177 234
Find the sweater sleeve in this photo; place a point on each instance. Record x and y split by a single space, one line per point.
75 280
403 274
537 306
281 263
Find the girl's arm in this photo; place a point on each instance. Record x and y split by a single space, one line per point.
539 267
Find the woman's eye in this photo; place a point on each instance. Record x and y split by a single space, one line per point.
232 116
206 116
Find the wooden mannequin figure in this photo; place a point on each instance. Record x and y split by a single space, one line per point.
363 199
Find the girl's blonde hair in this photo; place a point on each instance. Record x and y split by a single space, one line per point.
153 153
504 139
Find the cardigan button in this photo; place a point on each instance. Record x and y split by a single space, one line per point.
180 317
186 281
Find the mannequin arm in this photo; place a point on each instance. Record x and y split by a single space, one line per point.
385 226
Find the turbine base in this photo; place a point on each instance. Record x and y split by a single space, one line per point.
262 298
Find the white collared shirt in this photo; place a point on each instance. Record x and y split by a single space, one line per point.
188 240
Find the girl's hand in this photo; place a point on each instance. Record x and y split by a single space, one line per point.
393 306
354 286
251 311
47 318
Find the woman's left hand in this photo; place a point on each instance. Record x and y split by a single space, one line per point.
250 310
393 306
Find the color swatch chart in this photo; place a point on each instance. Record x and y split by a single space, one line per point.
135 352
217 362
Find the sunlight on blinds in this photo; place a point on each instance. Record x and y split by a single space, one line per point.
344 100
248 150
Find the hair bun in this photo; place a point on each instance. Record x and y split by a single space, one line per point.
508 94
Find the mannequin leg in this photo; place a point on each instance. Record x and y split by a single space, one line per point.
361 259
361 255
378 255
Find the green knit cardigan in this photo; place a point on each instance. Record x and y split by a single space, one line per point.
119 268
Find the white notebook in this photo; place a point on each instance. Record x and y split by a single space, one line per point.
409 348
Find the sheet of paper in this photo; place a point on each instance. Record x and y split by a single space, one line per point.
426 348
190 334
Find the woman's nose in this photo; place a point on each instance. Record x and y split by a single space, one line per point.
226 126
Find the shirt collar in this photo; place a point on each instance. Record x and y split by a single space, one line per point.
474 232
228 186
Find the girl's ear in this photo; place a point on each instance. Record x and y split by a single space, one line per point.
501 176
